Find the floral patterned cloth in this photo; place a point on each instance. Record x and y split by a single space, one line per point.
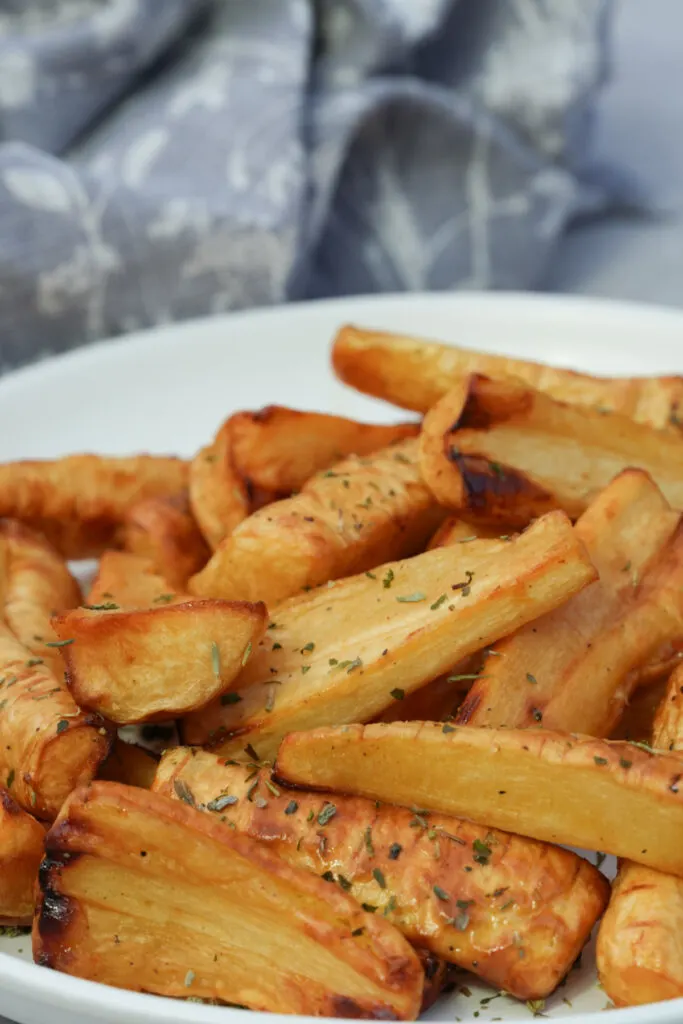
162 159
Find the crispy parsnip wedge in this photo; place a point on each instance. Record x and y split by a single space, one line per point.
345 653
130 764
640 942
562 788
34 585
499 452
417 869
48 745
278 449
595 643
218 496
362 513
155 663
128 582
415 373
163 530
148 894
80 501
21 851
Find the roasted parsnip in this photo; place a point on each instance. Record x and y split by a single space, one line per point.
640 945
499 452
148 894
219 499
35 584
414 374
128 582
562 788
163 530
345 653
421 871
279 449
21 851
48 745
80 501
587 652
156 663
354 517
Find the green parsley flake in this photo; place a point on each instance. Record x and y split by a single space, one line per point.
326 814
247 654
482 852
441 893
221 802
412 598
601 760
398 693
388 579
530 678
62 726
10 778
437 604
379 878
59 643
216 658
291 807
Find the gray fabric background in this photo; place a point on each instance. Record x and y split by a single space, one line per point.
160 160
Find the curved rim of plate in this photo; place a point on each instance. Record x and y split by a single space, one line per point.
62 991
597 311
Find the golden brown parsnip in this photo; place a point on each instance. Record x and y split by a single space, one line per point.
21 851
128 582
35 584
415 373
278 449
499 452
354 517
527 896
80 501
156 663
345 653
561 788
148 894
163 530
583 648
640 944
129 764
48 746
218 497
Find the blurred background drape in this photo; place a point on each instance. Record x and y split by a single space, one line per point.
162 160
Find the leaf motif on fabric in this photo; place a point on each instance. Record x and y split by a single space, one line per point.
137 161
37 188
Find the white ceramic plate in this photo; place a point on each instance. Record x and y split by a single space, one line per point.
167 390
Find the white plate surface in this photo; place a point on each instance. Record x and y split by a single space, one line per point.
167 390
